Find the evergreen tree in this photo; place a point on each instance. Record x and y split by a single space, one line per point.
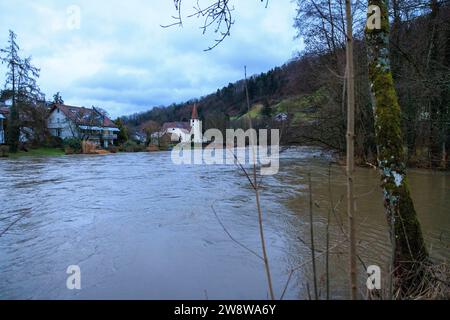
21 78
10 56
57 98
266 110
122 136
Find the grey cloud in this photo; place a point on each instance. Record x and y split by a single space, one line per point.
123 60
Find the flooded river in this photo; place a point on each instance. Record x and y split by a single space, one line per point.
140 227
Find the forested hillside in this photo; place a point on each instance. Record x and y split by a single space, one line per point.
310 89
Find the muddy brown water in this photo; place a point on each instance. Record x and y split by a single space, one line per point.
140 227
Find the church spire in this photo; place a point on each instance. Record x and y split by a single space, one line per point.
194 112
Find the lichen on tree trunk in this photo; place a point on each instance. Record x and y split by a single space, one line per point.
409 251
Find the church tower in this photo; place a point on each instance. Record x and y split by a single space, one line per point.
196 127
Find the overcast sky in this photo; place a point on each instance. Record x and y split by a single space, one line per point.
120 58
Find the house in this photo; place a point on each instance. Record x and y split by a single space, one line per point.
2 132
180 131
280 117
26 123
138 137
185 131
84 123
4 112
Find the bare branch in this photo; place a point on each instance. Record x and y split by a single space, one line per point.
231 237
217 15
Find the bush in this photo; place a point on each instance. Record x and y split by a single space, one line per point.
4 150
113 149
53 142
72 145
152 148
131 146
88 147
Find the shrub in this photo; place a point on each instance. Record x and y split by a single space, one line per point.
131 146
152 148
4 150
54 142
72 145
88 147
113 149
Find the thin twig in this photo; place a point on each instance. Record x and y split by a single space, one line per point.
231 237
311 226
292 271
13 223
327 264
258 204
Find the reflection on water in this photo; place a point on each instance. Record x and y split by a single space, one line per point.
140 227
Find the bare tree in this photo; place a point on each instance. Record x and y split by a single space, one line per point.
151 127
217 15
351 148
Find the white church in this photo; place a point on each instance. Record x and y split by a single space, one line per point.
185 132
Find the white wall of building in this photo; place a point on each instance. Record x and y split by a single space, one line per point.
177 133
196 130
195 135
61 126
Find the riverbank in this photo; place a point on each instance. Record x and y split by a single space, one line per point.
39 152
338 158
58 152
411 163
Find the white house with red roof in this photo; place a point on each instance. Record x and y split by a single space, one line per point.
185 132
84 123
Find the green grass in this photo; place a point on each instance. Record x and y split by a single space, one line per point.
301 107
39 152
254 113
292 105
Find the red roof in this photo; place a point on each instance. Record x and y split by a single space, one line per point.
84 116
194 112
4 111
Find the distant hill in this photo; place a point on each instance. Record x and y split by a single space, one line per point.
229 102
305 97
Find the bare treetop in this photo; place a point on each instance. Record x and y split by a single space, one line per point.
217 15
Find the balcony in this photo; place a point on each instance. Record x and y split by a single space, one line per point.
109 136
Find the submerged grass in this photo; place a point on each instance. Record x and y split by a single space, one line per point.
39 152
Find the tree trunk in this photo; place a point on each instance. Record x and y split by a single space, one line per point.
351 149
14 118
409 251
444 156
